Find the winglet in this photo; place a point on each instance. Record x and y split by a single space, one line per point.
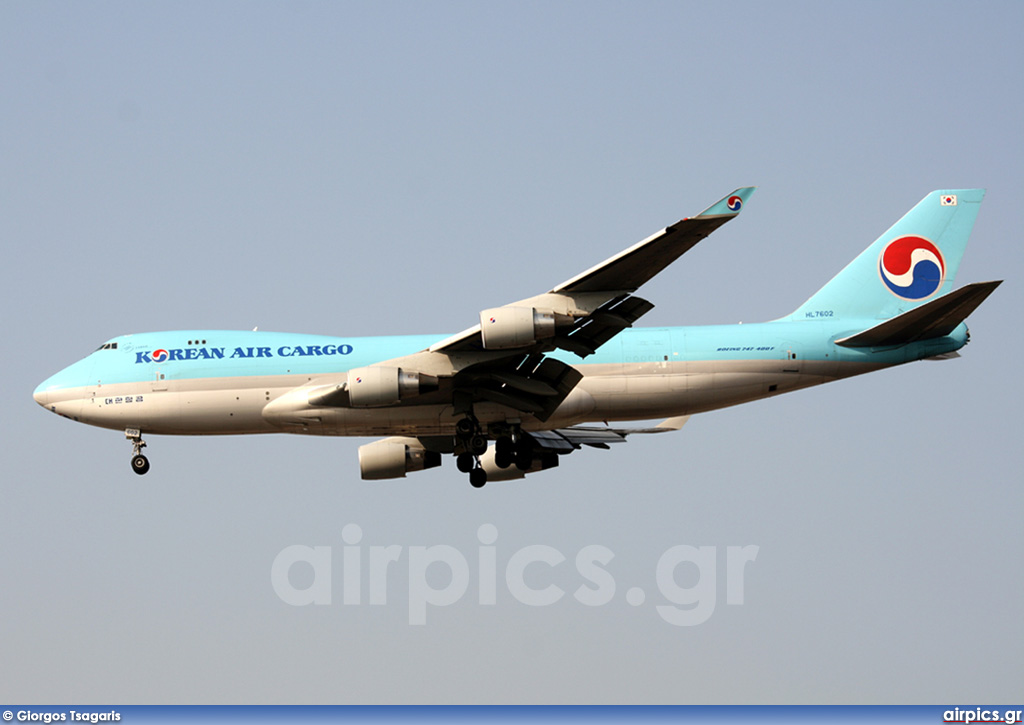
730 204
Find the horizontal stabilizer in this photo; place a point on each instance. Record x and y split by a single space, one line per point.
933 319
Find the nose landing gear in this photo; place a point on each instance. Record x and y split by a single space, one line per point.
140 464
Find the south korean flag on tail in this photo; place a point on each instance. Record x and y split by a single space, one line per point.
947 200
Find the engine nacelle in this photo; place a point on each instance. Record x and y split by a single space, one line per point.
394 457
375 387
504 328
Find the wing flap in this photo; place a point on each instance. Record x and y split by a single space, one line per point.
598 436
591 332
549 445
537 386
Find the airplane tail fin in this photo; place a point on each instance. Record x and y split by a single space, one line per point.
914 262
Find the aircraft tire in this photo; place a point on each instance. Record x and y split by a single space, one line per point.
477 478
140 464
524 457
465 462
478 445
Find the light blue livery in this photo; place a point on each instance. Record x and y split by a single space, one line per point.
516 392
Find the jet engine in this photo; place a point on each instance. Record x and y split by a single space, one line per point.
374 387
504 328
394 457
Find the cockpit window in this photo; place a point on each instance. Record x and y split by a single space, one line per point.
108 346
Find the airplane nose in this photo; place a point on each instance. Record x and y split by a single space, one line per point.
63 392
41 395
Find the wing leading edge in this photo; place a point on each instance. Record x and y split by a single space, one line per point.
631 268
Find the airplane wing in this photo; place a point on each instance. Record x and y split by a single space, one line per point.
503 360
599 301
550 444
394 456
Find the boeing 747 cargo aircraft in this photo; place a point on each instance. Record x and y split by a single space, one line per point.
515 393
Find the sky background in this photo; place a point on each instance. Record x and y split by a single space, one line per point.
390 168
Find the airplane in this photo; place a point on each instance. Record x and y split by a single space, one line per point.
515 393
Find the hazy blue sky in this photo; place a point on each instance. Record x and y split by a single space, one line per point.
382 168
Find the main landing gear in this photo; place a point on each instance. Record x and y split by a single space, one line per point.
511 447
140 464
474 445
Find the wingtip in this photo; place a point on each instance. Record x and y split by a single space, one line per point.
673 423
730 204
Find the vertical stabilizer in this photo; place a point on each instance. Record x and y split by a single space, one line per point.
914 262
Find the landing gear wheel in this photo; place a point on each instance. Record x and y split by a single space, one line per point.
504 452
478 445
465 427
465 462
140 464
477 478
505 445
524 456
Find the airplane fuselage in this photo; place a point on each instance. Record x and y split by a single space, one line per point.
225 382
512 394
